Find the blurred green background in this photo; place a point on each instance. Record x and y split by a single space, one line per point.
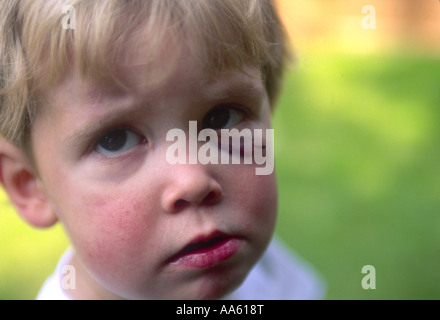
357 154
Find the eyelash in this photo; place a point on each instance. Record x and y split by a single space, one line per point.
93 148
243 111
96 142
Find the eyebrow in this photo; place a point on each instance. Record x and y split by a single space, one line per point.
90 129
246 88
85 132
218 91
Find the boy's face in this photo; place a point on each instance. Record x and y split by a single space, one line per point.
130 215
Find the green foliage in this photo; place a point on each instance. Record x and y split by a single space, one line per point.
357 147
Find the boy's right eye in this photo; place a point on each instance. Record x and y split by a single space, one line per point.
118 141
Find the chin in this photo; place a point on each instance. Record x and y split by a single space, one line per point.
217 284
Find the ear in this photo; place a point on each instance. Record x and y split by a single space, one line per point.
24 187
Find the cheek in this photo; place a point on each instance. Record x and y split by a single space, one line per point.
263 198
110 229
258 197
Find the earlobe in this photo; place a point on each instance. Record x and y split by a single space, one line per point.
24 187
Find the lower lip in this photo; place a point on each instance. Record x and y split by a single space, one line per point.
211 256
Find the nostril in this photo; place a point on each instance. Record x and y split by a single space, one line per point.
180 204
212 198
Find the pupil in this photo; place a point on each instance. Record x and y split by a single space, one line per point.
114 141
217 119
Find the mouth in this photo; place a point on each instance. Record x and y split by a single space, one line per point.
207 251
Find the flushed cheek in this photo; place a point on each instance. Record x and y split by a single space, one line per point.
112 233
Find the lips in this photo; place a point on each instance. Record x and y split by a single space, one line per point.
207 251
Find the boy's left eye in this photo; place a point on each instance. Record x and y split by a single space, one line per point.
222 118
118 141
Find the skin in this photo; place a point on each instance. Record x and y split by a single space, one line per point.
127 213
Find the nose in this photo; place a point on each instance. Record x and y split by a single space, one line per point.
190 185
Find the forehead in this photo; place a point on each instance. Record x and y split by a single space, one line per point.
176 70
177 55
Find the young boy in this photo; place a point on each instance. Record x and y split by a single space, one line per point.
90 91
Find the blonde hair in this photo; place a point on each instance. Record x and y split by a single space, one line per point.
36 50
